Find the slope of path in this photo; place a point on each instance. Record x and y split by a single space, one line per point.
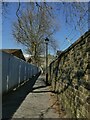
38 103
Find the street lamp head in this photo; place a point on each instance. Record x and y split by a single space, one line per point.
46 40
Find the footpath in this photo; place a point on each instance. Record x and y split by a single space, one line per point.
39 102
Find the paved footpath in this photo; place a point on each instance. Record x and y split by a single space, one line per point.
38 103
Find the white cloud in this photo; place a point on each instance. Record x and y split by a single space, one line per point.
26 55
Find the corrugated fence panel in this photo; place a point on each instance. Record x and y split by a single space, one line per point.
29 71
35 70
0 75
15 71
25 73
32 70
5 70
22 71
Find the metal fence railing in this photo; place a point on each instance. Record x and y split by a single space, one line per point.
15 71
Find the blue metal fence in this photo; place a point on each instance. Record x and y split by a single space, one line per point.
15 71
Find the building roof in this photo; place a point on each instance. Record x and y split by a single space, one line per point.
16 52
11 51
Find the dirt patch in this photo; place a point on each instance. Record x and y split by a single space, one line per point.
57 106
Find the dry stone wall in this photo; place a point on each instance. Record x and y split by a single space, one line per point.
69 76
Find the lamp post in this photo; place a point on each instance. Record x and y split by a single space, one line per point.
46 41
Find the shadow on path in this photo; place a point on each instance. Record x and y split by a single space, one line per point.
39 87
41 91
12 100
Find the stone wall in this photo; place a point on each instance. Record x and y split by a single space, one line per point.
69 76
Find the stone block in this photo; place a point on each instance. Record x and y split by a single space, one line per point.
88 39
88 99
87 49
88 71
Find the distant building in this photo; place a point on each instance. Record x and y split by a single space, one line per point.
58 53
15 52
41 61
43 58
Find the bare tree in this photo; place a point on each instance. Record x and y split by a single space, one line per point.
37 22
32 27
76 14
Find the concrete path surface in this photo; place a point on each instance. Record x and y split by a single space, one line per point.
39 102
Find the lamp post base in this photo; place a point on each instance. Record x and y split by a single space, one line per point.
47 80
